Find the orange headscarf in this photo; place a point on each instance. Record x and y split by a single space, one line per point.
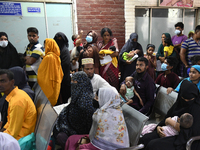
50 72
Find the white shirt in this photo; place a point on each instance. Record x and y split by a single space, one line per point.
98 82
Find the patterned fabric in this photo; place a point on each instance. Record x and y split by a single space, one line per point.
109 72
110 75
76 118
192 49
36 51
109 129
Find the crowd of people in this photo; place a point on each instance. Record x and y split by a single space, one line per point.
97 77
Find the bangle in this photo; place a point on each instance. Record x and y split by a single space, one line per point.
174 124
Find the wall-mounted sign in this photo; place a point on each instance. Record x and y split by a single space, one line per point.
9 8
33 9
176 3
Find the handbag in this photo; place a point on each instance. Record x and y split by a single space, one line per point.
27 142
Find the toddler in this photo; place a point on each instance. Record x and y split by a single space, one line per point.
130 91
125 57
168 48
185 121
74 65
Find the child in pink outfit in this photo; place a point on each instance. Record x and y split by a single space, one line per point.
185 121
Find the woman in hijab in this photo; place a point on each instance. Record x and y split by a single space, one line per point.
108 129
90 50
8 53
187 102
50 72
7 142
194 77
160 53
76 118
128 67
21 81
62 42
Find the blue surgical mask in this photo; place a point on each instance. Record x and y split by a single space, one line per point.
164 66
89 39
177 32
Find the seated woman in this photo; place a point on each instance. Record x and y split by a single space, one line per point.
109 129
109 71
76 118
168 78
194 77
8 53
187 102
50 72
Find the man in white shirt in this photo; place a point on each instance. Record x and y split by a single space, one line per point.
96 80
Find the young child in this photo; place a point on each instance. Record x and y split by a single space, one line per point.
168 48
152 61
74 66
130 91
125 57
185 121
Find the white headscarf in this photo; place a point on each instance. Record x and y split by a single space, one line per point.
109 129
7 142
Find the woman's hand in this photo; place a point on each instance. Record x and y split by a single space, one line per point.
169 90
101 56
160 131
130 54
128 62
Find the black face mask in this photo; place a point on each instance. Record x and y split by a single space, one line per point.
73 86
59 42
187 103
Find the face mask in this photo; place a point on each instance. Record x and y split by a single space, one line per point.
3 43
177 32
89 39
164 67
73 86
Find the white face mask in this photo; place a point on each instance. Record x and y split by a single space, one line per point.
3 43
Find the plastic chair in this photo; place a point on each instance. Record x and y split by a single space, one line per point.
163 102
46 118
135 122
190 141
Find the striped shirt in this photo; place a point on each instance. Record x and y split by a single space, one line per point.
36 51
192 49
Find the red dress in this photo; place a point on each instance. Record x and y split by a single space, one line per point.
109 72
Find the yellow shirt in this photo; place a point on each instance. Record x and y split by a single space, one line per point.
169 49
22 114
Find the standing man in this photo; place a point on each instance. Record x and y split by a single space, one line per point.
33 55
22 114
177 40
144 85
190 48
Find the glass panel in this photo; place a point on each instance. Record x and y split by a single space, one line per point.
142 26
163 21
15 26
189 21
60 20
